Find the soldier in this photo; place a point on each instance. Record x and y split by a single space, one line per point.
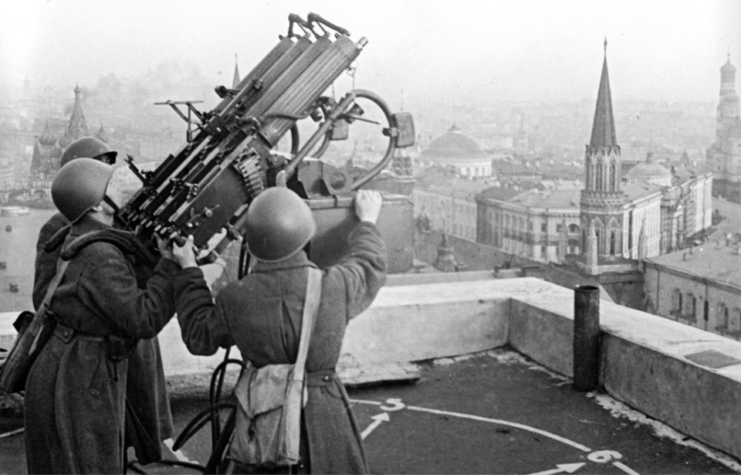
46 262
262 313
148 419
76 389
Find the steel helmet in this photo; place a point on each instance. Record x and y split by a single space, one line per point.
279 224
80 185
88 147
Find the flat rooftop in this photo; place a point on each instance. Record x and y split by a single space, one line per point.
489 412
495 357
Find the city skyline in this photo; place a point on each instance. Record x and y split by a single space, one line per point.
505 50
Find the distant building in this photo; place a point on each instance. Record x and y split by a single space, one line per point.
447 202
459 152
698 286
651 211
48 148
7 175
542 226
725 153
600 233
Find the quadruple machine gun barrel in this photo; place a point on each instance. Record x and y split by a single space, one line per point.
208 184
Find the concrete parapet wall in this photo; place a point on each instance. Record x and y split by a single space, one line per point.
419 322
646 359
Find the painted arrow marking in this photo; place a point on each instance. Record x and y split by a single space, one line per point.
562 468
377 420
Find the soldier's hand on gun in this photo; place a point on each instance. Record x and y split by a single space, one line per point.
185 254
368 205
163 245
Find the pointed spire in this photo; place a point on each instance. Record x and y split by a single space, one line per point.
236 80
77 126
101 134
643 241
603 129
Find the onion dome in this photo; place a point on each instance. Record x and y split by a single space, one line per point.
47 138
728 68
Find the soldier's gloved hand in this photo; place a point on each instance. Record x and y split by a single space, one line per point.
368 205
184 255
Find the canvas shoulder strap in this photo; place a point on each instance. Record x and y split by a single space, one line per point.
61 268
311 306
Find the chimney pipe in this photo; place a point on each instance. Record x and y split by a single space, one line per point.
586 338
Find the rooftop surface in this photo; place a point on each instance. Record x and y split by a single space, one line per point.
561 199
639 189
712 260
491 412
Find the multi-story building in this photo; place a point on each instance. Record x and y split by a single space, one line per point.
447 202
725 153
698 286
539 225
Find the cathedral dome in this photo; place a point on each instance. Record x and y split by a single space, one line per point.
651 172
453 144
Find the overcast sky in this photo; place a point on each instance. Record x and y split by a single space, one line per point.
504 49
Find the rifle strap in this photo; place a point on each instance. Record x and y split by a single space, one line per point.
311 306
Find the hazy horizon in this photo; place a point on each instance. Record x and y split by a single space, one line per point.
504 51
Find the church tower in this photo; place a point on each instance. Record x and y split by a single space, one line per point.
602 198
724 153
77 126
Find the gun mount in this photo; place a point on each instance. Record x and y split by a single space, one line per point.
228 158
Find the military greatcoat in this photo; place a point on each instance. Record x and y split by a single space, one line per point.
148 418
75 393
261 315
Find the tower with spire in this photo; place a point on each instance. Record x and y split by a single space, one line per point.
724 153
77 126
602 199
236 80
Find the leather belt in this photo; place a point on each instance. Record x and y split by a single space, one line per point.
66 333
321 378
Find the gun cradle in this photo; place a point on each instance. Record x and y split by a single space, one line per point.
209 183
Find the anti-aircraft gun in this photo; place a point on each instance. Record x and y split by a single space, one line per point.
229 158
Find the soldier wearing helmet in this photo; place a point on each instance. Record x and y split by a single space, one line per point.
262 315
46 260
149 419
77 389
88 147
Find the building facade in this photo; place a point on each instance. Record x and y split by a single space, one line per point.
698 286
542 226
447 203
